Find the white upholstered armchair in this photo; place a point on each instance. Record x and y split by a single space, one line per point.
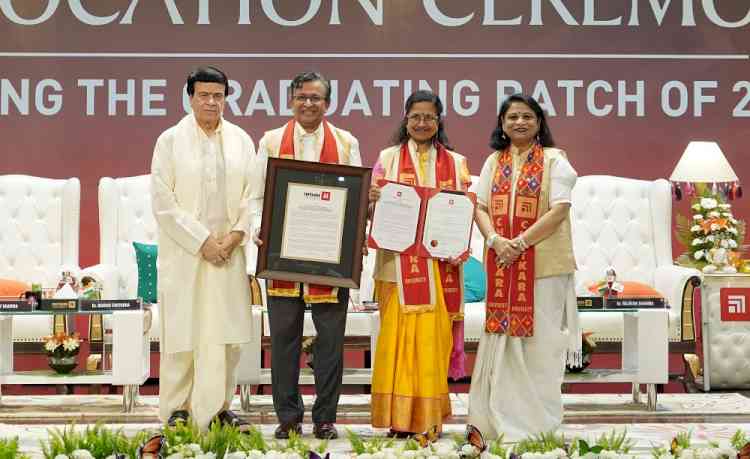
627 224
39 234
124 217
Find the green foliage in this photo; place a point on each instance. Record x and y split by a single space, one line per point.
497 447
411 445
541 443
739 439
9 449
100 441
180 435
617 442
297 445
220 439
253 441
371 446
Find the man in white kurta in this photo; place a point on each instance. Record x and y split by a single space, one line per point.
200 176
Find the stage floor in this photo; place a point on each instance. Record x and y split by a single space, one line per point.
713 416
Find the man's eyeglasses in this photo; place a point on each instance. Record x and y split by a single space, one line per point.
416 118
301 98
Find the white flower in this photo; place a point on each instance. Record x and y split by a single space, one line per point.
724 243
696 228
726 214
710 238
50 346
697 217
733 220
714 227
709 203
725 206
195 448
699 254
469 450
697 241
61 456
732 230
732 244
409 453
714 214
236 455
209 455
378 455
364 456
175 456
81 454
70 344
255 454
696 207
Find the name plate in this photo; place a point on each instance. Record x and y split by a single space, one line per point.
635 303
58 305
15 306
586 303
109 305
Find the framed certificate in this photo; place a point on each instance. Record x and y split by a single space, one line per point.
313 226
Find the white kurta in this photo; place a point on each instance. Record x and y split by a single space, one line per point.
515 387
201 303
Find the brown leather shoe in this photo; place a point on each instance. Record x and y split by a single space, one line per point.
283 430
325 431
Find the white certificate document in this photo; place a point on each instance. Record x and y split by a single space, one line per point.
396 216
313 223
447 228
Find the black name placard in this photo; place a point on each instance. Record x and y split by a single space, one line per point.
586 303
9 306
58 305
109 305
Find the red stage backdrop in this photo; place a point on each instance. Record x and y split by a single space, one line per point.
86 86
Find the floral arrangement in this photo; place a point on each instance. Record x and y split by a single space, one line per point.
226 442
62 345
681 447
713 236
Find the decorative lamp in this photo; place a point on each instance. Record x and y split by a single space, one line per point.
713 237
704 162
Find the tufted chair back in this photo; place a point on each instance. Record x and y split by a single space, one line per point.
620 222
39 232
124 217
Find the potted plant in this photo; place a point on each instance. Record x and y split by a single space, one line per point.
61 350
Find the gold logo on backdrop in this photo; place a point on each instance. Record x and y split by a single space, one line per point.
525 207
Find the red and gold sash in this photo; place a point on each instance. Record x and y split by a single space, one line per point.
328 154
510 291
416 289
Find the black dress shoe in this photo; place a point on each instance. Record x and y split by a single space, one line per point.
325 431
230 418
283 430
178 416
398 434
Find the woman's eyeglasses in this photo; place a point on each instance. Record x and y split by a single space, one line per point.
417 118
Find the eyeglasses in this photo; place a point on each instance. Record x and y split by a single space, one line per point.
416 118
301 98
525 117
206 96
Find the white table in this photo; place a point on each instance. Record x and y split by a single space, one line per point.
645 354
130 358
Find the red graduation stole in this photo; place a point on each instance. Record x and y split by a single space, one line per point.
510 291
329 154
415 280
